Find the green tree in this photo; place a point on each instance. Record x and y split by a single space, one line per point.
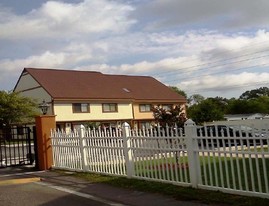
16 109
264 101
220 102
255 93
243 106
237 106
177 90
206 111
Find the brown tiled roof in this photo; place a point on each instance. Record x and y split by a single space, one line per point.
71 84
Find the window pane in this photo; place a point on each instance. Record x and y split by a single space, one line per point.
106 107
76 107
110 107
80 107
145 107
84 107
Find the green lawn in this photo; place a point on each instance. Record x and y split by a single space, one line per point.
225 172
171 169
250 174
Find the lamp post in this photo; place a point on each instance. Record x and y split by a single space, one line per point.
44 107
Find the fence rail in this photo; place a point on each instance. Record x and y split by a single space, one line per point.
233 161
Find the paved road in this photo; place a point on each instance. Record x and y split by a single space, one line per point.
29 188
48 188
30 193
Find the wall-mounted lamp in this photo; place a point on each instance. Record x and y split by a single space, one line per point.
44 106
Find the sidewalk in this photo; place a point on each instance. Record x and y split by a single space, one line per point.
122 196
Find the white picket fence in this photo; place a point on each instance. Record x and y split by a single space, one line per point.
229 163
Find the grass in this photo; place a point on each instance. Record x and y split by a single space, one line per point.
241 174
163 168
229 172
177 192
249 174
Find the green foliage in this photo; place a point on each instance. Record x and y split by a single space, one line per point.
169 117
15 108
213 109
177 90
255 93
243 106
207 111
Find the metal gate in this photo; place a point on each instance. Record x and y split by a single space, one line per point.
17 145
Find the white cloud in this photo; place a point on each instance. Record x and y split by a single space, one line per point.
46 60
159 69
62 20
114 37
177 57
228 14
227 83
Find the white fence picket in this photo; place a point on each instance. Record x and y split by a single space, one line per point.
226 162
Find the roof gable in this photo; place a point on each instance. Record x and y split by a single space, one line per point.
71 84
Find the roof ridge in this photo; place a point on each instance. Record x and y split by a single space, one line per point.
127 75
74 70
60 70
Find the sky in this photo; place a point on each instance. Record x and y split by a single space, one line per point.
212 48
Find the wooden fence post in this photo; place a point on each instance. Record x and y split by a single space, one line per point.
192 152
127 150
44 125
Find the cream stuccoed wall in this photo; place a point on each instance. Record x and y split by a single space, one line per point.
64 112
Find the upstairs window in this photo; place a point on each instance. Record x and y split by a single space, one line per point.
167 107
81 108
110 107
144 107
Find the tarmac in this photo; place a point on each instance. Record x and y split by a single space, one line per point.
108 194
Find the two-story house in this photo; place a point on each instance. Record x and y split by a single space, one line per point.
79 97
